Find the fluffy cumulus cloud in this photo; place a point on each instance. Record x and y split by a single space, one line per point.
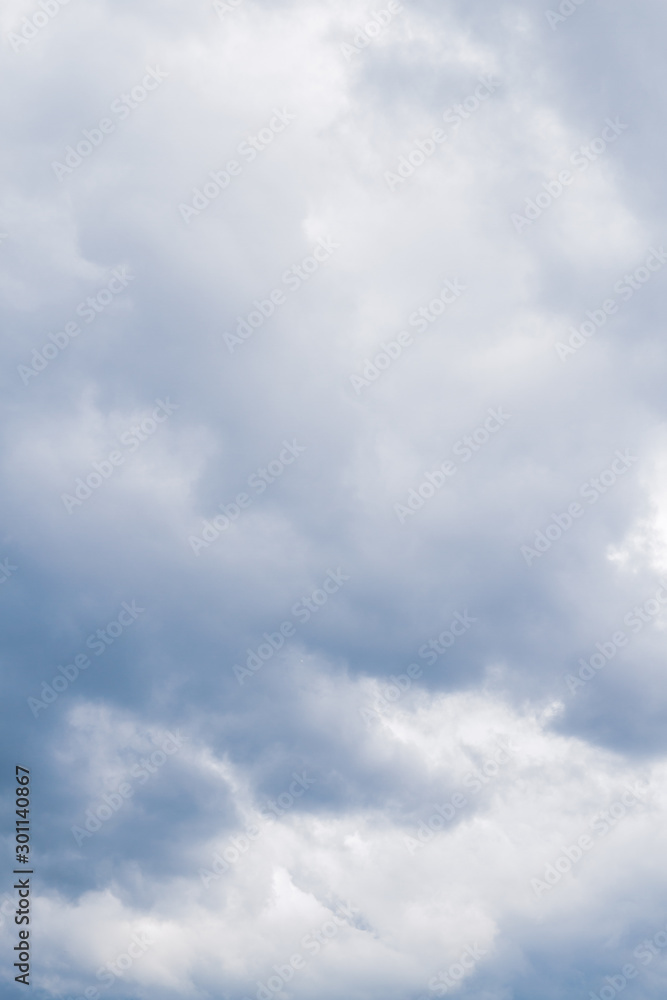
334 549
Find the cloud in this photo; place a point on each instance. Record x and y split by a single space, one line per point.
214 353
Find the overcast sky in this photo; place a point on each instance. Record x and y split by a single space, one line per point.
334 497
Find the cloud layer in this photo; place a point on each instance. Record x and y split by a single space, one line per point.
334 496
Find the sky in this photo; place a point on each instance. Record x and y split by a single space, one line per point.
333 567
